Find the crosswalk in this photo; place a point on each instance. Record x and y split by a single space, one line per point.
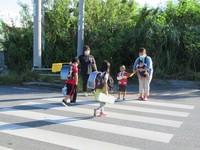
164 117
4 148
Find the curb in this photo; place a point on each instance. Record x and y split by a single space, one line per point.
43 84
176 83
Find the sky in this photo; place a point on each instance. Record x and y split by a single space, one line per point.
10 8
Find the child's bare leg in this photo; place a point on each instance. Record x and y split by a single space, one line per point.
119 94
124 95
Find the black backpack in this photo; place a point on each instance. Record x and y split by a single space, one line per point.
99 81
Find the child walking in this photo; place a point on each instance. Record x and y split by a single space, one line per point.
105 69
122 82
72 84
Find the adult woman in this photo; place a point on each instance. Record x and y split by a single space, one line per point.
144 83
88 64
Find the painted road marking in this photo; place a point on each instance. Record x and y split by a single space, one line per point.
98 126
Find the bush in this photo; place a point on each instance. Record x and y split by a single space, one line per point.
10 79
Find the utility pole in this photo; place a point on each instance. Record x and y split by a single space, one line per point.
80 27
43 29
37 52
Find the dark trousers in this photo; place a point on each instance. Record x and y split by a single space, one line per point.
85 79
74 96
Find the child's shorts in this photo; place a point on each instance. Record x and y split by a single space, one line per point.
122 88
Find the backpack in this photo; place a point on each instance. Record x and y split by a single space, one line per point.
66 72
99 81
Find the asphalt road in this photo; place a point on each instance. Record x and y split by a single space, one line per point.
34 119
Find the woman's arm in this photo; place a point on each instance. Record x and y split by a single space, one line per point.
94 67
94 63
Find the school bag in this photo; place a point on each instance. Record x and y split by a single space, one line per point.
66 72
99 81
96 81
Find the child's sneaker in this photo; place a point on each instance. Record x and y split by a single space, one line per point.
124 98
64 103
96 113
118 98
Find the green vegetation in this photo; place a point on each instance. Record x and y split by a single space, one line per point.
115 29
27 76
11 79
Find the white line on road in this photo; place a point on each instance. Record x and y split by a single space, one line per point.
162 104
58 138
5 148
104 127
131 108
150 120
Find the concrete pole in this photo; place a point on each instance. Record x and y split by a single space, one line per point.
37 52
80 28
43 29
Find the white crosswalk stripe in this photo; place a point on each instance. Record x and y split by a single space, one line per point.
77 142
4 148
151 120
138 109
115 129
181 106
52 137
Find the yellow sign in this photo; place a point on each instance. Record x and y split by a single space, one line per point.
56 67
